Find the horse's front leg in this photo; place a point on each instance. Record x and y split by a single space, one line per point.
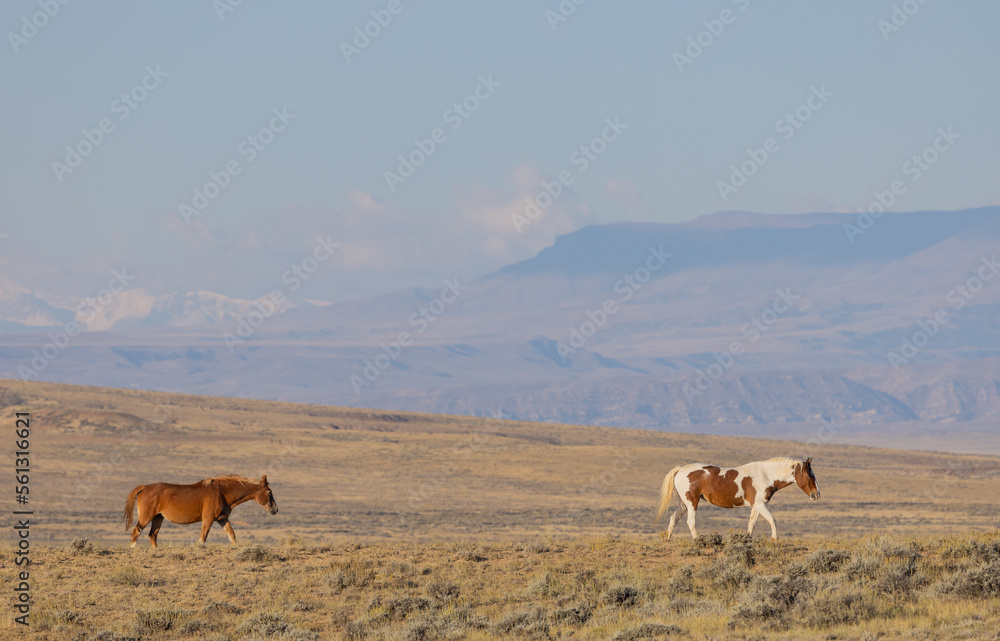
692 509
206 525
763 511
228 527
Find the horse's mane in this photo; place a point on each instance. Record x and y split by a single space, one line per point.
233 477
785 462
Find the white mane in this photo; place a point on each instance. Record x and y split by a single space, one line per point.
781 467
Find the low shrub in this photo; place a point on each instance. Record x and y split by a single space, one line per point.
150 622
824 560
841 605
621 596
647 631
530 624
574 615
256 553
979 582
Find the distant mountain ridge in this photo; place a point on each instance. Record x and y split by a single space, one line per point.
25 312
637 350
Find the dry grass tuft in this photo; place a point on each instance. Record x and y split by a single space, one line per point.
621 596
132 576
978 582
839 605
82 546
647 631
443 592
527 624
825 560
353 573
256 553
575 615
151 622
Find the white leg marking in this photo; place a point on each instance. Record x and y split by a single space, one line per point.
770 519
691 525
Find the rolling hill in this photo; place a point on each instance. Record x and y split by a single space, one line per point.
339 471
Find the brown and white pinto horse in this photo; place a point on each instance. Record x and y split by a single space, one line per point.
750 485
207 501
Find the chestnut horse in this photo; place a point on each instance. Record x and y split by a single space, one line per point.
207 501
750 485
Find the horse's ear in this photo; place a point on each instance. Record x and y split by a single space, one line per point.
809 461
263 479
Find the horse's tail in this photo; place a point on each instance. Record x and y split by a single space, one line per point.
666 493
130 502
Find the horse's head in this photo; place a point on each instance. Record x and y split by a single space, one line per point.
265 498
805 479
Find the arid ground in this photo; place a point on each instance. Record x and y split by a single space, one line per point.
410 526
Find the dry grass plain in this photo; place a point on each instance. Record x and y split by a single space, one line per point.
409 526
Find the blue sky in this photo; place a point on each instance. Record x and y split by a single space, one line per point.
551 90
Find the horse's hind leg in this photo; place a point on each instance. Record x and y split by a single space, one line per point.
154 528
135 533
673 519
143 518
753 520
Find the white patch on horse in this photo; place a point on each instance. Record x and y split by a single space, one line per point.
740 494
